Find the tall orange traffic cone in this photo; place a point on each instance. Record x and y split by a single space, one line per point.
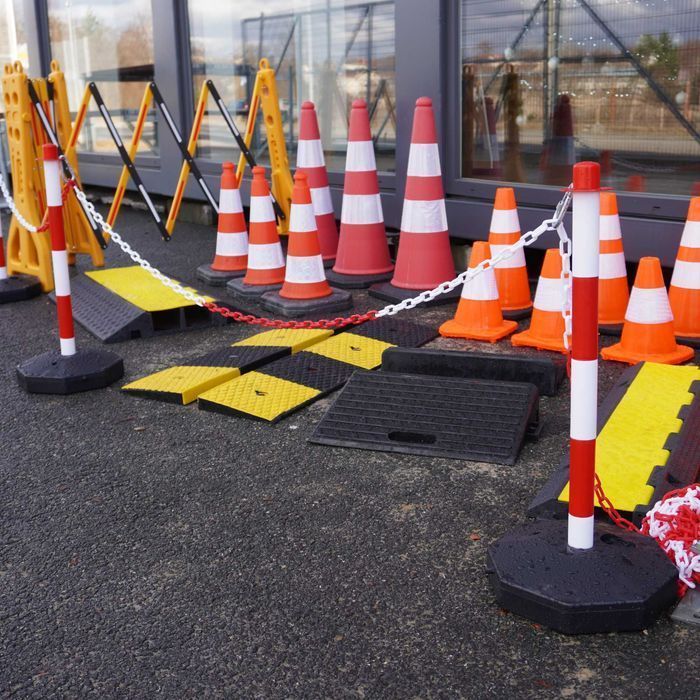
305 288
561 149
511 274
310 160
546 331
684 292
613 291
231 256
648 331
363 251
479 312
265 258
424 258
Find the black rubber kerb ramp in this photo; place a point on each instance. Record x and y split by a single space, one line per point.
241 291
53 373
622 584
388 292
338 300
357 281
217 278
19 288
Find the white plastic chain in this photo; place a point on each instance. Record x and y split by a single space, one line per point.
553 224
13 207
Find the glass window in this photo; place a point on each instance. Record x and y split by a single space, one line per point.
111 44
13 43
545 82
327 51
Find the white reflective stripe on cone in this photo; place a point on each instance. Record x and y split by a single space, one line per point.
261 210
482 287
549 295
580 532
53 183
362 209
691 235
648 306
67 346
302 218
610 227
265 256
304 269
321 199
424 160
230 202
61 278
584 400
515 260
612 266
360 157
310 154
424 216
505 221
231 244
686 275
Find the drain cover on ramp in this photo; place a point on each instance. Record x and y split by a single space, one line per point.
477 420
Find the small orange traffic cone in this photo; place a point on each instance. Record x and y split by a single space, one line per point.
684 292
648 331
265 258
613 291
546 331
511 274
479 312
231 256
305 288
310 160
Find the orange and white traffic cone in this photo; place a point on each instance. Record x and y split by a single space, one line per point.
561 149
231 256
265 257
478 314
684 292
613 290
424 258
511 273
310 160
546 331
305 288
648 331
363 250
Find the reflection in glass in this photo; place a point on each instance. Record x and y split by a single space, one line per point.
327 51
547 82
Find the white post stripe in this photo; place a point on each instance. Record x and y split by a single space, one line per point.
585 219
505 221
261 210
310 154
584 400
610 227
548 296
686 275
423 160
515 260
304 269
265 256
53 183
67 346
612 266
362 209
691 235
360 157
648 306
482 287
230 202
321 199
424 216
302 218
61 278
3 272
580 532
231 244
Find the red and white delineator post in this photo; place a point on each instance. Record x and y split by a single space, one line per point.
584 352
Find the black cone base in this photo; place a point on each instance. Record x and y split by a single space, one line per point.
388 292
19 288
622 584
685 340
53 373
339 300
328 262
217 278
241 291
357 281
517 314
614 329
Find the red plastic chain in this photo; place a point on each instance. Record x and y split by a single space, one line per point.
44 226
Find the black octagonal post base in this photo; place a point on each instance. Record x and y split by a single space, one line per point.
18 288
53 373
623 584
